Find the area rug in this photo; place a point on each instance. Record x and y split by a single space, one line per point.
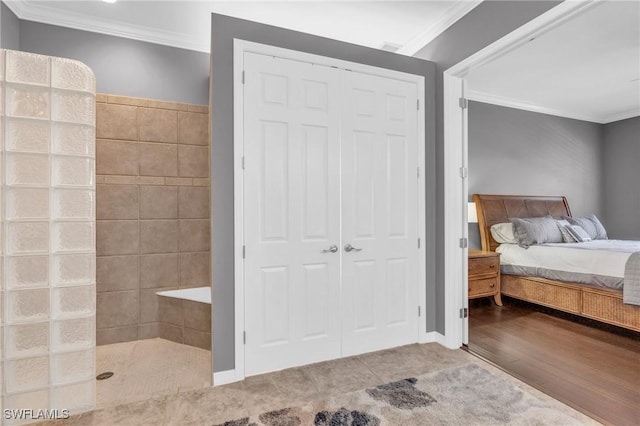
465 395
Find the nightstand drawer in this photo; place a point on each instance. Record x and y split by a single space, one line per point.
486 286
483 265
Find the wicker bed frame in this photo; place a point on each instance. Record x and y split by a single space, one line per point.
600 304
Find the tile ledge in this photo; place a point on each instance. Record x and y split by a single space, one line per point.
150 103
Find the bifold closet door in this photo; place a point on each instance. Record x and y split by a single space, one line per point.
379 213
291 213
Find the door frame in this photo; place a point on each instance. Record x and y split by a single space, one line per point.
239 48
456 160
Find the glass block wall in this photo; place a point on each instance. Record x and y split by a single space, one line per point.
47 212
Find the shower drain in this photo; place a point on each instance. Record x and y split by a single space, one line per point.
103 376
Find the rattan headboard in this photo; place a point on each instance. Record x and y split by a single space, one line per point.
494 209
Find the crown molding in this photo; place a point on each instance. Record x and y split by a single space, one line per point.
621 116
429 34
28 11
487 98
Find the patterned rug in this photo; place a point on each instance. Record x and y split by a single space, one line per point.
466 395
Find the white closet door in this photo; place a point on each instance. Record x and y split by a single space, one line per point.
292 213
379 213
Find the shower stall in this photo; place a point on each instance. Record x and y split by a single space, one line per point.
47 215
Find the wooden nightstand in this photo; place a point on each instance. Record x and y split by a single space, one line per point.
484 275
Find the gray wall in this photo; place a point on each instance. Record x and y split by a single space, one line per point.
135 68
9 29
488 22
123 66
224 30
621 167
520 152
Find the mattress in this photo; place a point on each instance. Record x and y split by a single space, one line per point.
599 263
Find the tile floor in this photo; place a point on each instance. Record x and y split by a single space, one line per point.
146 369
290 387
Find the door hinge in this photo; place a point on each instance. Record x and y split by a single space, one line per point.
244 251
242 163
419 311
418 172
464 243
463 172
242 76
244 337
463 103
464 313
418 242
418 104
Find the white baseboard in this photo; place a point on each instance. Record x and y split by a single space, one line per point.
442 339
224 377
432 337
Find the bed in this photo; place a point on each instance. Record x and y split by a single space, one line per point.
602 304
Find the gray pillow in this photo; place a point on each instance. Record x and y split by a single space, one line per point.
566 235
536 230
578 233
591 224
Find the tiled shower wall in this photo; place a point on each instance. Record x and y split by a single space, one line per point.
152 166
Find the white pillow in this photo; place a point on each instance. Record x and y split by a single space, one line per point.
503 233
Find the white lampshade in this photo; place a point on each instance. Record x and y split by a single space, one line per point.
472 214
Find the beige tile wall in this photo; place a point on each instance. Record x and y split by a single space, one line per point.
152 166
185 321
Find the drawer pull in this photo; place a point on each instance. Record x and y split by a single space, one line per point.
492 285
492 266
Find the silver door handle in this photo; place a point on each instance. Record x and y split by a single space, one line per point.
349 247
332 249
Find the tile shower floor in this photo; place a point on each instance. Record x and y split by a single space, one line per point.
146 369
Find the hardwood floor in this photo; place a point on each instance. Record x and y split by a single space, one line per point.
592 368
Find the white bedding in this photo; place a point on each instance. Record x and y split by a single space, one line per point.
599 257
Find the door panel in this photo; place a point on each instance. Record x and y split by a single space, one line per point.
364 307
315 155
379 213
274 183
292 213
275 298
396 290
364 181
316 319
398 164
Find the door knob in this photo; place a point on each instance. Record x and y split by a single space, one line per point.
349 247
332 249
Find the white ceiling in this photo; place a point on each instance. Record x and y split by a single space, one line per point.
406 25
586 68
